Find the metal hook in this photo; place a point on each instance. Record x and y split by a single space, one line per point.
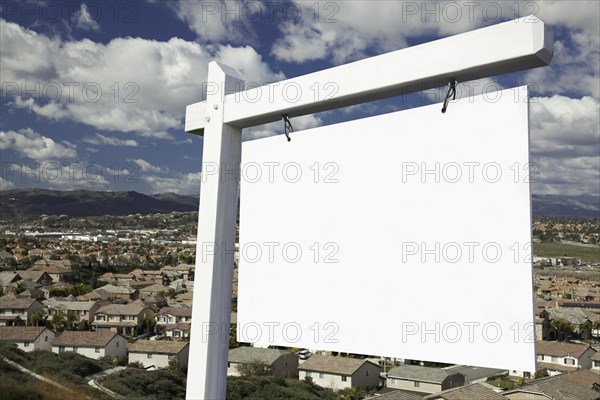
287 126
451 92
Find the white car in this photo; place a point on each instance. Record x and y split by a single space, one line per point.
304 354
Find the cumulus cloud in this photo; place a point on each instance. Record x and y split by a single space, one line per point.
31 144
102 140
219 21
565 144
145 166
84 20
182 183
5 185
98 84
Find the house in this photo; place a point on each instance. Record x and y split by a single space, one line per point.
596 361
58 270
340 372
279 362
185 271
395 394
552 388
542 325
423 379
111 292
560 357
7 279
475 391
127 319
40 277
476 374
28 338
83 310
17 310
158 353
92 344
180 331
152 290
173 315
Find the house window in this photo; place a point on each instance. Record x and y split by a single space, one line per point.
416 384
344 378
308 374
367 373
25 344
321 375
228 365
149 355
61 349
97 349
393 381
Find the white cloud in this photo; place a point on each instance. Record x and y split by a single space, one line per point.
145 166
83 19
102 140
565 144
183 183
219 21
99 85
5 185
31 144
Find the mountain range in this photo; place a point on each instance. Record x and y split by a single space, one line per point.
20 203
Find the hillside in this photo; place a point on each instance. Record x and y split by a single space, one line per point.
22 203
19 203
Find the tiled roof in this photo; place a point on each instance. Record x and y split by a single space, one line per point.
134 308
98 338
396 395
475 373
20 333
156 347
182 326
558 389
596 356
244 355
334 365
584 377
470 392
176 311
418 373
560 349
16 302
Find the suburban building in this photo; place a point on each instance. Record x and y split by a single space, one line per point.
173 315
92 344
180 331
560 357
111 292
58 270
279 362
158 353
395 394
423 379
476 374
17 310
83 310
553 388
596 361
340 372
28 338
476 391
123 318
40 277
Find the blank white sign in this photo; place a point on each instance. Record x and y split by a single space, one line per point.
402 235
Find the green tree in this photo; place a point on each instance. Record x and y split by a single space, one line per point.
59 321
36 318
254 369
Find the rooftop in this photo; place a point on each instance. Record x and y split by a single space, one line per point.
156 347
20 333
98 338
561 349
334 365
470 392
244 355
418 373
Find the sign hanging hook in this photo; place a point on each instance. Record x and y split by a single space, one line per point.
451 92
287 126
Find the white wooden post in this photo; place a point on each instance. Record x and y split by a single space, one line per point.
209 345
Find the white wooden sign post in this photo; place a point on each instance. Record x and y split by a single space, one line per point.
507 47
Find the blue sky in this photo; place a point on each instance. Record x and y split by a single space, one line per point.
93 93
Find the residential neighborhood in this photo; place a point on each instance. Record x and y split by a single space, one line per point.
129 302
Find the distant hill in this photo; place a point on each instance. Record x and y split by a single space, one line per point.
18 203
550 205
